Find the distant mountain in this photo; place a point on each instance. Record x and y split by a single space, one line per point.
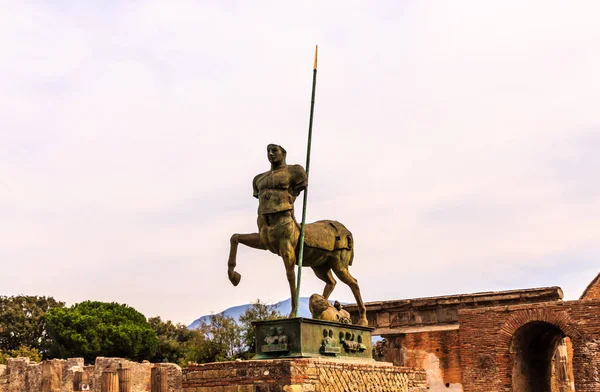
284 307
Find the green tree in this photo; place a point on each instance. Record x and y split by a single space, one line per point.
218 340
200 350
22 322
32 353
256 312
225 335
173 341
91 329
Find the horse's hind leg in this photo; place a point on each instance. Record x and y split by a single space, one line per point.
340 268
251 240
323 272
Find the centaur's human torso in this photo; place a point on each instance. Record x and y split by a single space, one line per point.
276 191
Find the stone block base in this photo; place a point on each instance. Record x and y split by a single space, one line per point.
302 375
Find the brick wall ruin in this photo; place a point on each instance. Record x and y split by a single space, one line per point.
425 332
493 357
437 352
301 375
517 340
593 290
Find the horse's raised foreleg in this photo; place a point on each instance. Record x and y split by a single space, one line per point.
251 240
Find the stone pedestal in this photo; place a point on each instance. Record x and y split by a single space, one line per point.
308 338
302 375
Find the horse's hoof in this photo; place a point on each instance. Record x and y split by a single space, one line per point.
234 278
363 322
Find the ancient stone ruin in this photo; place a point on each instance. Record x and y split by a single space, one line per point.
518 340
106 375
120 375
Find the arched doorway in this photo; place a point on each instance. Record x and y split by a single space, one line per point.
535 350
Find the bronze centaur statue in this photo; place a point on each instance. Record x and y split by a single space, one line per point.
328 245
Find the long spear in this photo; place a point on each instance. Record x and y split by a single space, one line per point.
303 226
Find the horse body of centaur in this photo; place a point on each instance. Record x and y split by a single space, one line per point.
328 245
328 250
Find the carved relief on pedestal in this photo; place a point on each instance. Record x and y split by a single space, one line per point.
351 342
329 344
276 341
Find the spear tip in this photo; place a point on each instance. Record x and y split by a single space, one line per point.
316 55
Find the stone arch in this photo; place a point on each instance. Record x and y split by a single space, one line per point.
518 319
532 338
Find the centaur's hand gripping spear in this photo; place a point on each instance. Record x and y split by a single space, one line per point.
302 227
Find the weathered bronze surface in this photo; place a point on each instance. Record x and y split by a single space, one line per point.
302 337
322 309
328 245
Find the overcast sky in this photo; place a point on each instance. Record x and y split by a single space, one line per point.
459 142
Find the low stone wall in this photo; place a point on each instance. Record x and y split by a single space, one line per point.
301 375
282 375
60 375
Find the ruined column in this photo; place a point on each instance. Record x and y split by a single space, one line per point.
158 379
51 376
46 378
110 381
16 369
124 380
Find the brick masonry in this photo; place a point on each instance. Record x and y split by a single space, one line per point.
486 336
464 341
301 375
438 352
593 290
